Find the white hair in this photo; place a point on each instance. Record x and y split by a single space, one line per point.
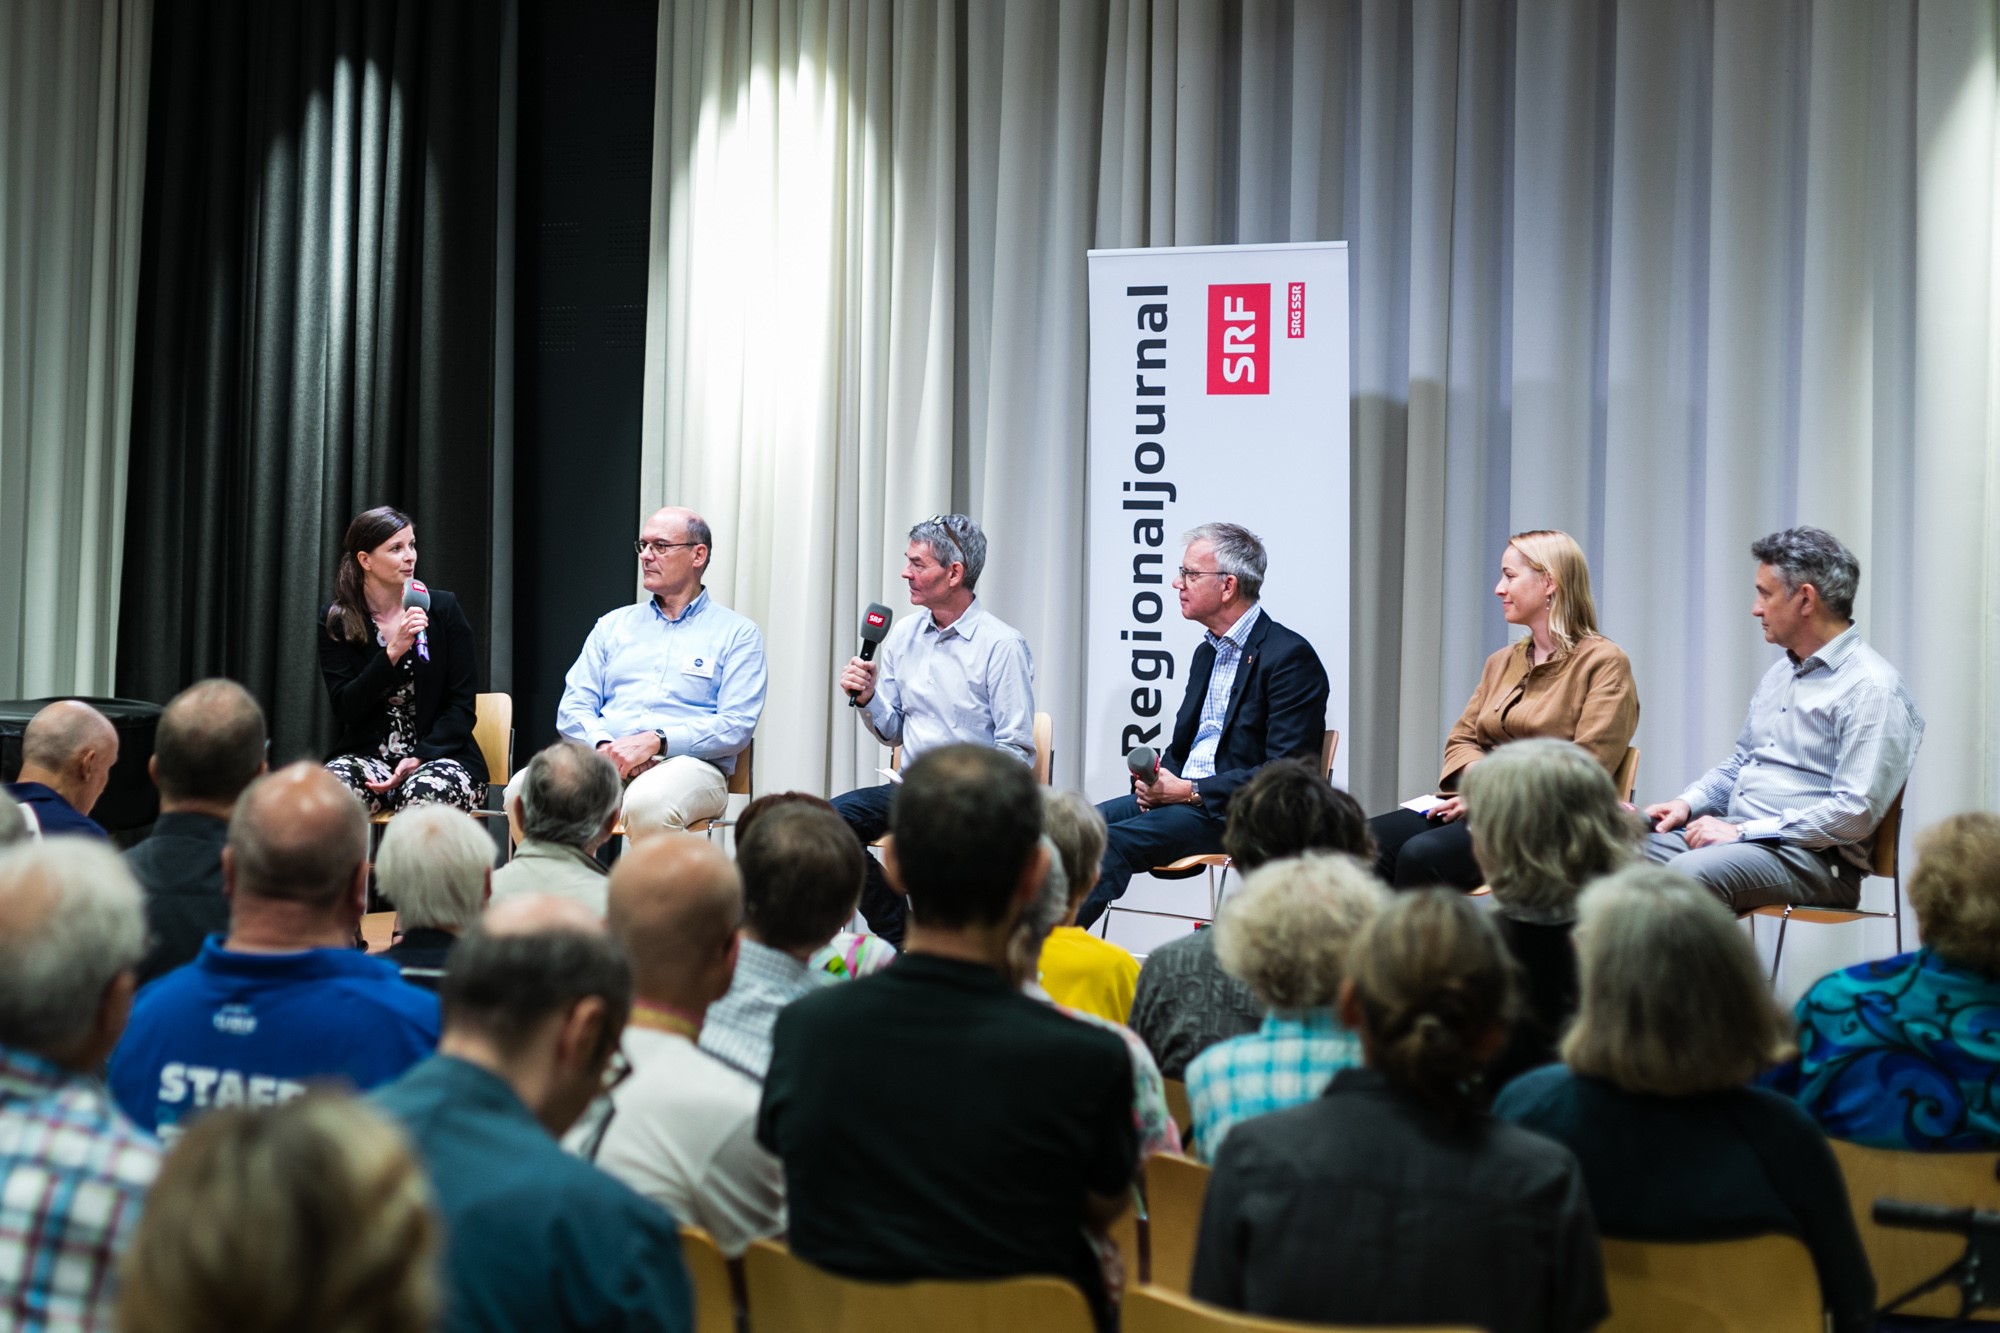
13 823
1286 932
433 866
74 920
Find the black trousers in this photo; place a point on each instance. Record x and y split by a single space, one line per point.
1418 852
866 810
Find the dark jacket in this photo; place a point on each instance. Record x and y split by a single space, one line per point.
1277 710
360 676
180 868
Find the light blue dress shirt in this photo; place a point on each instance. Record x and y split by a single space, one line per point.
972 683
737 1030
698 676
1828 743
1221 683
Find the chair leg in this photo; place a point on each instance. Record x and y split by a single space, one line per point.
1896 885
1778 954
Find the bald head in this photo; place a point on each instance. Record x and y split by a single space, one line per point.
675 904
534 913
297 835
70 746
210 743
530 959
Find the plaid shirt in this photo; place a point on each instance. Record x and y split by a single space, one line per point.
73 1177
1287 1061
737 1030
1215 704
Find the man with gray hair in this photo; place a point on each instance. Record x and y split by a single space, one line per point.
1256 692
13 824
1790 815
72 929
436 865
565 805
953 674
284 998
66 756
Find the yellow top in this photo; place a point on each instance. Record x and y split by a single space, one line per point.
1087 973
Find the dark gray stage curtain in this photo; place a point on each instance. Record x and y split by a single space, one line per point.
317 316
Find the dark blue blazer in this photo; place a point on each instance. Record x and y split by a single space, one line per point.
1277 710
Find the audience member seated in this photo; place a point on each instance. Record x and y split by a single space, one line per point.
984 1132
1079 970
1185 1002
1055 903
1392 1199
1675 1020
209 746
284 998
1545 821
801 871
681 1127
67 751
535 1239
563 810
1886 1054
850 953
310 1218
436 865
1285 935
13 823
75 1170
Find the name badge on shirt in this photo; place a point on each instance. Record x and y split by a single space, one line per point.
700 666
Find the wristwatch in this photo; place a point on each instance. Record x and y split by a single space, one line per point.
1194 792
663 741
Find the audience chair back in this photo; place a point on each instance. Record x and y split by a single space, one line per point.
1762 1285
1902 1258
1179 1108
1045 747
1153 1310
789 1295
1626 779
708 1274
1175 1188
1885 861
493 733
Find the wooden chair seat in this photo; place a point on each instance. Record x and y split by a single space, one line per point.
789 1295
1152 1309
1885 862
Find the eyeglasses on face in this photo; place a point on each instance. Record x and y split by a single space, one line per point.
658 548
1190 575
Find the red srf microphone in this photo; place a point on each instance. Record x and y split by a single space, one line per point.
874 628
417 595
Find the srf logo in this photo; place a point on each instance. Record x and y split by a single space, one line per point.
1239 337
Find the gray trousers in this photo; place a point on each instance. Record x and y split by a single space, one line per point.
1746 875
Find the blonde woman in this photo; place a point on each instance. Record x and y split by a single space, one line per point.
310 1217
1674 1021
1563 680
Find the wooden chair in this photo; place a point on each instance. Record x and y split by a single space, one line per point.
1151 1309
1762 1285
1175 1188
1214 864
1902 1258
493 733
708 1275
1179 1108
1626 779
1885 861
739 785
789 1295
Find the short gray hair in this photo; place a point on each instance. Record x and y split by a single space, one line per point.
433 866
954 537
1815 556
1072 825
59 954
1287 932
1237 551
1545 821
13 824
1671 1001
568 795
1048 909
695 529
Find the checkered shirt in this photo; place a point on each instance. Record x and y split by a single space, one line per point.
1288 1060
1215 704
737 1030
73 1177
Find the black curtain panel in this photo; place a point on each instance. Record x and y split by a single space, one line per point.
320 282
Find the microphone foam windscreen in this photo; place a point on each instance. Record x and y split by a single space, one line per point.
417 595
875 623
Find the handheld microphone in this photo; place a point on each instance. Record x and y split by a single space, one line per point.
417 595
1144 763
874 628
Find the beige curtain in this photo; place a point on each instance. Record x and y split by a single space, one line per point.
73 80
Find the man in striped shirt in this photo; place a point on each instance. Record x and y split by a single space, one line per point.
1790 815
73 1170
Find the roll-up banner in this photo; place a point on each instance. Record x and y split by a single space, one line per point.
1218 391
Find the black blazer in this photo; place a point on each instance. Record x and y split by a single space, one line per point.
1277 710
359 676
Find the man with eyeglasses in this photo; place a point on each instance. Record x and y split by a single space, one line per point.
670 688
952 674
1256 692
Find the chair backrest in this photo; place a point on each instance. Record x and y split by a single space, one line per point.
493 733
1175 1188
739 781
1329 746
1626 779
789 1295
708 1274
1179 1108
1902 1258
1045 747
1883 858
1762 1285
1153 1310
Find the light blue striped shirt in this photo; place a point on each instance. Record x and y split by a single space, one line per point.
971 683
1215 704
1828 743
737 1030
699 677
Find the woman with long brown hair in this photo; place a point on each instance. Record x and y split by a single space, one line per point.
402 678
1564 680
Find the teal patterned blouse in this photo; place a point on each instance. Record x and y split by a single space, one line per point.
1903 1052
